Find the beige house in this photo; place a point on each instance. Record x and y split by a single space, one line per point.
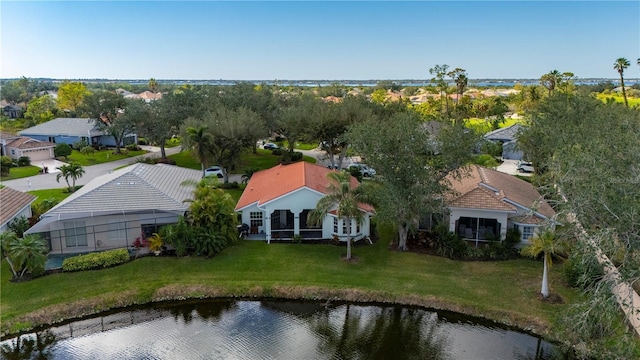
115 209
16 146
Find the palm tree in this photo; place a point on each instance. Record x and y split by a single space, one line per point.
620 65
550 80
198 140
72 170
7 240
248 173
29 254
546 244
153 85
343 196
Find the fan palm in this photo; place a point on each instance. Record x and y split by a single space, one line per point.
7 240
545 244
619 66
198 141
345 199
30 254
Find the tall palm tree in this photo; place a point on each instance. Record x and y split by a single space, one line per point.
619 66
345 199
550 80
544 243
198 140
72 170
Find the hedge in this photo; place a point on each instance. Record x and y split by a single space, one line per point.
97 260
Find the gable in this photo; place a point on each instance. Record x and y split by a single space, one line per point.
12 202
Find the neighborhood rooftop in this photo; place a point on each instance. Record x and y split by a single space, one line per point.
64 126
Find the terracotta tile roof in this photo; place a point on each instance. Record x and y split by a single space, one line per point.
483 188
11 202
270 184
29 143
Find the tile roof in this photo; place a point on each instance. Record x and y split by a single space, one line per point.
64 126
270 184
24 142
483 188
6 135
138 187
11 202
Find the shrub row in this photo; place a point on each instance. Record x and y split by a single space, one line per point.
97 260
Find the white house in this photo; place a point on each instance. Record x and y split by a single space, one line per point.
486 203
115 209
276 203
508 137
14 204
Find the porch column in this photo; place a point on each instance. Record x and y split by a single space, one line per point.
267 226
296 223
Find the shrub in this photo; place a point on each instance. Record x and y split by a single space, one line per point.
276 151
132 147
450 245
87 150
62 150
231 185
297 156
79 144
5 165
98 260
142 141
24 161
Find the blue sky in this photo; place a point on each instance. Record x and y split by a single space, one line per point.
330 40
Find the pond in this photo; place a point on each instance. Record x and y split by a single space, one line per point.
270 329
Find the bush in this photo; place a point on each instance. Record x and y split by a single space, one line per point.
297 156
450 245
231 185
79 144
62 150
24 161
132 147
98 260
87 150
276 151
5 165
142 141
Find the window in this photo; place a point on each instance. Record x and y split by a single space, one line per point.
527 232
357 227
335 225
344 226
75 233
117 231
255 218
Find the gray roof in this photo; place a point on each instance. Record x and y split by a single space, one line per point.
136 188
64 126
505 134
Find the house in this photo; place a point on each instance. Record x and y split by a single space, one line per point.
486 203
112 210
12 111
16 146
14 204
276 203
71 130
508 138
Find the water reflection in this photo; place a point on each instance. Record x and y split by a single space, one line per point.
226 329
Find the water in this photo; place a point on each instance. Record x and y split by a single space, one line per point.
229 329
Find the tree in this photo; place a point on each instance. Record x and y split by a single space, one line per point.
439 72
7 240
72 170
41 109
550 80
296 115
39 208
346 197
19 225
459 76
11 92
108 111
197 140
71 94
62 150
5 165
29 254
411 165
619 66
544 243
153 85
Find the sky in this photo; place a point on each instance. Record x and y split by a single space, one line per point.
324 40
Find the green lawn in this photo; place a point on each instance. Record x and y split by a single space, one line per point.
483 126
100 157
505 291
263 159
21 172
633 102
58 194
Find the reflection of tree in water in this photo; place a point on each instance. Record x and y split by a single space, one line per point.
205 309
394 333
33 346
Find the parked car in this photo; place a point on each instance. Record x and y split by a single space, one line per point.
269 146
525 166
214 171
365 170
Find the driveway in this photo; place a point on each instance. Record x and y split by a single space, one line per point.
509 166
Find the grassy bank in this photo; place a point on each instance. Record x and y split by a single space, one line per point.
504 291
21 172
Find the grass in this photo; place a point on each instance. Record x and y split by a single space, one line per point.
505 291
100 157
633 102
263 159
58 194
21 172
483 126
